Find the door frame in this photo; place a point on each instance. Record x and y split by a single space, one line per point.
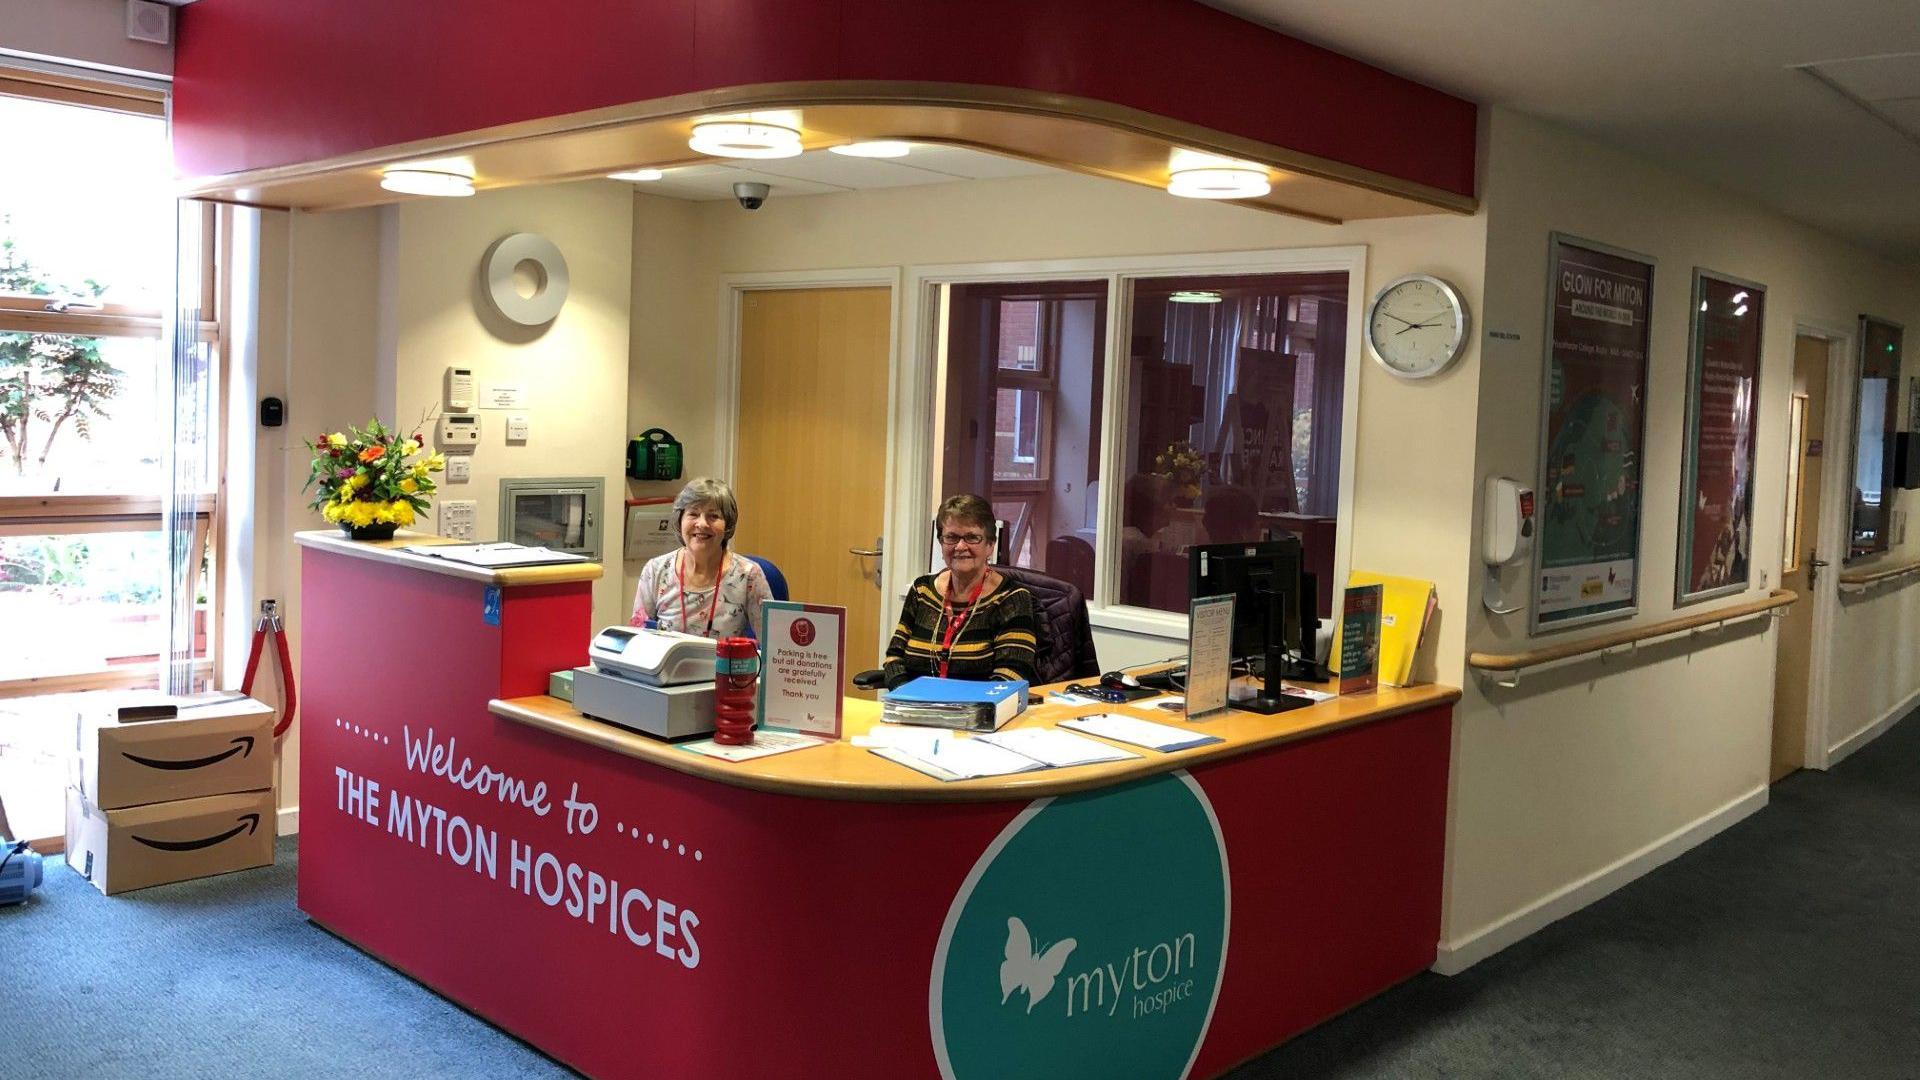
726 419
1829 528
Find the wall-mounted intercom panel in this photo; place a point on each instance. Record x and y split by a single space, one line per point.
459 432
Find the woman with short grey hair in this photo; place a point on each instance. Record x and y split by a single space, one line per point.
703 587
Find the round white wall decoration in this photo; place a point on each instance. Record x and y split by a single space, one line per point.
550 291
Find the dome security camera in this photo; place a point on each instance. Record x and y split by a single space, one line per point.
750 195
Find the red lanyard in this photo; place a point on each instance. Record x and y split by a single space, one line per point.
953 620
680 575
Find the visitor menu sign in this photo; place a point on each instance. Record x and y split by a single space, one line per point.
1716 488
1595 407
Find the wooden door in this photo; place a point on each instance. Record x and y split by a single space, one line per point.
1807 411
810 447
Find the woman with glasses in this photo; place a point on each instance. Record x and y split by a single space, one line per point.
968 621
702 587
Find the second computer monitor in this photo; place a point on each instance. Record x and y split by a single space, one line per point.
1265 579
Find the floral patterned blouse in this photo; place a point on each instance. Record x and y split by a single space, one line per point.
742 589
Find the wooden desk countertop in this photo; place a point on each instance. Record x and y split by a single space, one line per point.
844 771
389 551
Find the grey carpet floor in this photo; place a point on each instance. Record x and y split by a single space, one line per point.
1787 947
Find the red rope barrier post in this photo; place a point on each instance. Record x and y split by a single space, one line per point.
269 623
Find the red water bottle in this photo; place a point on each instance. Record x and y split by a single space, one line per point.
736 675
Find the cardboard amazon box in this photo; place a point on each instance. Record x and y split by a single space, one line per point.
122 850
154 748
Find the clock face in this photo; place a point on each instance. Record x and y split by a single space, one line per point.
1417 326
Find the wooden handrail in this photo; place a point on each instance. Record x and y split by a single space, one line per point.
1779 598
1860 579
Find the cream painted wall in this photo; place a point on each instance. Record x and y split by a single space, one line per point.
1410 516
358 313
1569 777
574 369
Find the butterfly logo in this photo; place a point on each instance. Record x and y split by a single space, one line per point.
1026 969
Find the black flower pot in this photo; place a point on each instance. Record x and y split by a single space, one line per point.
376 531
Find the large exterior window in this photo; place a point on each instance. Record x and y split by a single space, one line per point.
108 429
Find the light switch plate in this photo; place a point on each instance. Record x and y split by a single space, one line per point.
459 469
517 428
457 517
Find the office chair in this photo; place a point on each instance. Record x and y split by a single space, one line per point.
776 581
1063 646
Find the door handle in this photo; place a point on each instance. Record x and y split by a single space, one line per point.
878 549
1813 569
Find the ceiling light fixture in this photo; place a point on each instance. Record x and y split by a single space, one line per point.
1194 296
877 149
1194 175
1234 182
638 176
745 139
436 182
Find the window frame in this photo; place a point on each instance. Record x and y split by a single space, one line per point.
919 395
83 513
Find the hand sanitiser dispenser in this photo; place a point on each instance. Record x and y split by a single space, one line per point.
1506 536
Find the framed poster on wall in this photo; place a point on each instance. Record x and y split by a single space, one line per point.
1715 556
1587 560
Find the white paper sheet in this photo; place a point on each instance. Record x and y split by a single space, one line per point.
948 757
1056 748
764 744
1138 732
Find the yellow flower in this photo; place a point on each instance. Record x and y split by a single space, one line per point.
331 512
360 513
437 462
408 486
336 440
359 481
402 513
345 494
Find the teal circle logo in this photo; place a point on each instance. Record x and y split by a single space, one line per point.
1088 941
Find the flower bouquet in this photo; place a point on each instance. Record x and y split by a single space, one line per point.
1182 466
371 481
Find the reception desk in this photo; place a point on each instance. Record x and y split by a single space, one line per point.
635 909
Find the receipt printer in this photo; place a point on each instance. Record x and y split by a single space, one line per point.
656 682
656 657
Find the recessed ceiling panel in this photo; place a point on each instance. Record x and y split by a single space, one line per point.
1876 78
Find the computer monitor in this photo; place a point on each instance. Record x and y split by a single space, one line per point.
1271 599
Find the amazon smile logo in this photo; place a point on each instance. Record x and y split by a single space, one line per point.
242 746
248 824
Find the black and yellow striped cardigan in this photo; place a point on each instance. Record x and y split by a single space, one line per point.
997 642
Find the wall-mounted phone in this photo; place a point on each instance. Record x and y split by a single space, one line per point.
459 389
1506 536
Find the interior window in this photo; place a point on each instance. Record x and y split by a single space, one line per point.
1235 385
1025 363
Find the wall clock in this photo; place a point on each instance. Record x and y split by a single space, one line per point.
1417 326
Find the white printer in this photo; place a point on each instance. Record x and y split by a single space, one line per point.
656 682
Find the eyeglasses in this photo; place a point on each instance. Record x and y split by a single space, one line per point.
972 540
